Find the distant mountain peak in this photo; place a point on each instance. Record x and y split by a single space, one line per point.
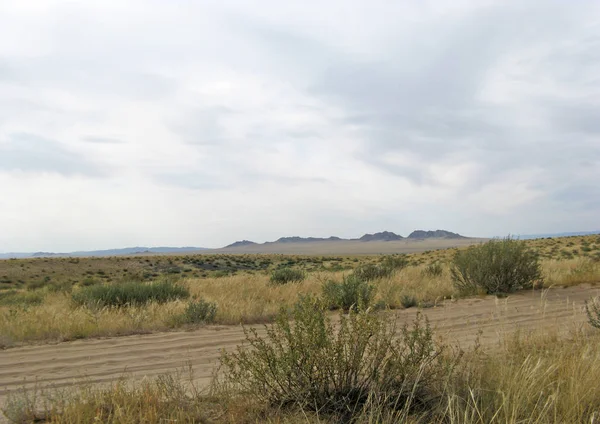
422 234
240 243
381 236
296 239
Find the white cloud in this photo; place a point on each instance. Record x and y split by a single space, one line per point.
197 123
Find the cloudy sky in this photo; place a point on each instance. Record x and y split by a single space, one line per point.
204 122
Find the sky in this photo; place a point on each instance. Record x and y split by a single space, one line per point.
198 123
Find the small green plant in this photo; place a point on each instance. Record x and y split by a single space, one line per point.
287 275
498 266
350 292
200 312
129 294
305 361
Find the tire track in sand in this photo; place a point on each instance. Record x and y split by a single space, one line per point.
104 360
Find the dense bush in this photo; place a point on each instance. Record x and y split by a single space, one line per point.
287 275
200 312
498 266
307 362
131 293
351 291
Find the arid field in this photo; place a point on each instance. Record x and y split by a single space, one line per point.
55 334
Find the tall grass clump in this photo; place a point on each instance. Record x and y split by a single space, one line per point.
287 275
130 293
498 266
306 362
352 291
592 309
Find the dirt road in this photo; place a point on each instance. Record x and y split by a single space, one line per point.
104 360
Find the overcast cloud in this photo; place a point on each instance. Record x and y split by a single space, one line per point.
204 122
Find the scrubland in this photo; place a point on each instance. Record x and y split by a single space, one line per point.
316 365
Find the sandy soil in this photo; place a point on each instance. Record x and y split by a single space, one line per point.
104 360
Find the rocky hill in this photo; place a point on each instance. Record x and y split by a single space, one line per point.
241 243
421 234
382 236
296 239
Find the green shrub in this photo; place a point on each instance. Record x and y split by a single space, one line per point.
200 312
131 293
287 275
373 272
351 291
307 362
498 266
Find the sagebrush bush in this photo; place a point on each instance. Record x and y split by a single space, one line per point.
351 291
373 272
307 362
498 266
200 312
287 275
131 293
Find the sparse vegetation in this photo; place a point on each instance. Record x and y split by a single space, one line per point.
35 308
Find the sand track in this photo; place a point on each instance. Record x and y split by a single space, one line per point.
104 360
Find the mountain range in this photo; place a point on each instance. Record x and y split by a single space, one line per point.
381 236
384 236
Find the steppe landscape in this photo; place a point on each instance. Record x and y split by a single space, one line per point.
299 212
55 342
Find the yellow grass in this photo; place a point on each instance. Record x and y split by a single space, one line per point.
527 379
242 298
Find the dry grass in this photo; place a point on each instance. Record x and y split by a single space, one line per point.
527 379
242 298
